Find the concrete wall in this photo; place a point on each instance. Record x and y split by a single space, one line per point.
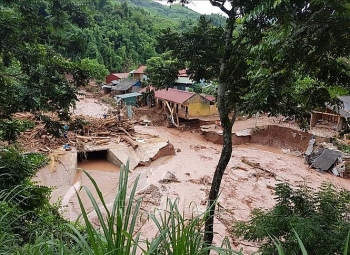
198 106
112 158
60 171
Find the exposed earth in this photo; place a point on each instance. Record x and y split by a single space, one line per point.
248 182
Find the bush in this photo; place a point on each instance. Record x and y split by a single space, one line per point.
321 220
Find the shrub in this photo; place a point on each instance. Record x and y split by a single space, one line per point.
321 220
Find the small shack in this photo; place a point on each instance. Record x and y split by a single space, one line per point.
184 104
139 73
128 100
116 77
334 116
123 86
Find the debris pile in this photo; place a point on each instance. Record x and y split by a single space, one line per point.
327 158
93 132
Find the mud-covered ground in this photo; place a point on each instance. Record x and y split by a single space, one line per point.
244 187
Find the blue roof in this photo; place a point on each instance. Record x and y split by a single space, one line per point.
127 95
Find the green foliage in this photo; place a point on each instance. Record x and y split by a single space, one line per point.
162 71
319 218
300 61
32 68
210 89
24 206
200 47
94 69
197 88
180 235
117 224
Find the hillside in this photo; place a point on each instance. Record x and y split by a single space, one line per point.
175 15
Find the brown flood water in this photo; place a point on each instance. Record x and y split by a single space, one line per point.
98 164
94 164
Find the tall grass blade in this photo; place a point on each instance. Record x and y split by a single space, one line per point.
302 247
346 247
278 245
117 225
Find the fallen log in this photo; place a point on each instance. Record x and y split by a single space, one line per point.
99 142
88 138
126 132
130 141
101 133
100 137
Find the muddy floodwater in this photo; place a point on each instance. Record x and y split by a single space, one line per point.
98 164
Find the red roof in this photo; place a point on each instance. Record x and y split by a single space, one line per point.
209 97
174 95
141 69
182 73
121 75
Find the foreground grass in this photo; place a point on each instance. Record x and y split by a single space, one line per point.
117 235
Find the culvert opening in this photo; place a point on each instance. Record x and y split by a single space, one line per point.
96 160
91 155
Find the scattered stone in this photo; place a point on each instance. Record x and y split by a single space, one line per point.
168 177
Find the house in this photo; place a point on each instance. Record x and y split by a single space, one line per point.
116 77
123 87
139 73
128 98
334 117
183 81
184 104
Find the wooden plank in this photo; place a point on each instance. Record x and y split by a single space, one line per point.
130 141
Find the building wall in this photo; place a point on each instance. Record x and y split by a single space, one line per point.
214 109
138 76
198 106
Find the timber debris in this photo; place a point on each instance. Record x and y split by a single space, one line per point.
94 132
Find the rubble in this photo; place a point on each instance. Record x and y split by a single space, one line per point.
96 131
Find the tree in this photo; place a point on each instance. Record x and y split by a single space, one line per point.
200 48
319 218
272 31
32 70
162 71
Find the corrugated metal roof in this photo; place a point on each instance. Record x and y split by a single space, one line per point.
174 95
343 109
124 85
127 95
183 73
326 159
209 97
183 80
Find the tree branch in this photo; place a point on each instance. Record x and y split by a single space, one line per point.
220 4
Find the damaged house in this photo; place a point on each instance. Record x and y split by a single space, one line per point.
334 117
325 159
185 104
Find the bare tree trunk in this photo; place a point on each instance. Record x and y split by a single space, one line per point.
224 108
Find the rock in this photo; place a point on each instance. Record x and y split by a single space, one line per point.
168 177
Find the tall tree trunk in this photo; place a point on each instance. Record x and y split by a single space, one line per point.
224 108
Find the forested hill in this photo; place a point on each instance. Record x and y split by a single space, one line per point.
181 16
125 31
120 34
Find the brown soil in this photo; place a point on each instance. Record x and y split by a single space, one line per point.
257 165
